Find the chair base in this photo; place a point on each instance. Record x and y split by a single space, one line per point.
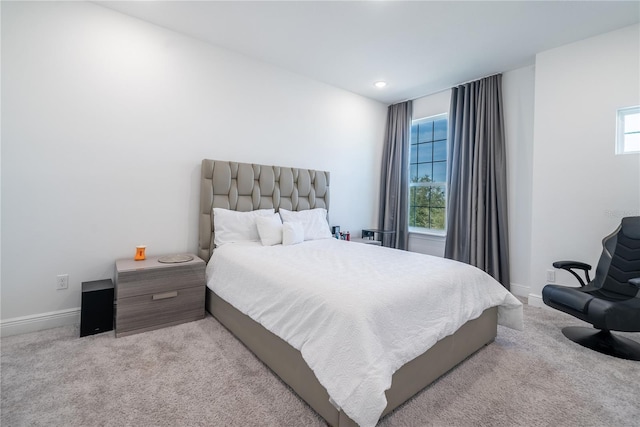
603 342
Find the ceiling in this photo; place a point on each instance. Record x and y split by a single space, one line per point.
418 47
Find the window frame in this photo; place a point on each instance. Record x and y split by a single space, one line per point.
439 184
621 115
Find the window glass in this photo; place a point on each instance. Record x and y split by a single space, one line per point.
428 174
440 151
632 143
440 130
425 151
425 132
413 156
414 133
628 130
439 172
424 172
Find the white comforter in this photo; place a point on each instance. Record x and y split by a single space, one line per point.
356 312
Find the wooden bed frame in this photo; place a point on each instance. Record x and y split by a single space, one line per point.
244 187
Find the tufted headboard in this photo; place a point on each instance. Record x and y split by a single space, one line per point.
246 187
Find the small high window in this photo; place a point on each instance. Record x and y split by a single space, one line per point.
628 130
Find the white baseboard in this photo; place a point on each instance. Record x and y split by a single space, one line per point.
536 301
532 299
39 322
519 290
53 319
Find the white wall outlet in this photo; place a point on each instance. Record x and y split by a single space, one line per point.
551 276
62 281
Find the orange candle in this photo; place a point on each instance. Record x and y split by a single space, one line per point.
140 253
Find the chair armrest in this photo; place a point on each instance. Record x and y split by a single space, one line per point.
570 265
635 282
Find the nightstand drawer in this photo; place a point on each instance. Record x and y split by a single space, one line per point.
158 280
159 309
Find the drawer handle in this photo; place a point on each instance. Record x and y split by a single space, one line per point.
165 295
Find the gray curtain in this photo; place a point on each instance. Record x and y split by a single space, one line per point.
394 186
477 200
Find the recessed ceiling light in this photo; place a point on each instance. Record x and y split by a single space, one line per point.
380 84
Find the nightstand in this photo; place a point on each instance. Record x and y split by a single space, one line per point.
371 234
367 241
151 295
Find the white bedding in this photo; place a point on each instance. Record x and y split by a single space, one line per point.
356 312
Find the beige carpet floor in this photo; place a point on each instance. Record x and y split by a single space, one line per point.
198 374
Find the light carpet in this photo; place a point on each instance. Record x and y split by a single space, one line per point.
198 374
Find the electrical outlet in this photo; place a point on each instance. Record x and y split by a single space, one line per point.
551 276
62 281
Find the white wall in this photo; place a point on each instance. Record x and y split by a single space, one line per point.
105 121
432 105
517 95
581 189
518 102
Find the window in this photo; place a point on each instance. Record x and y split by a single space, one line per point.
628 130
428 174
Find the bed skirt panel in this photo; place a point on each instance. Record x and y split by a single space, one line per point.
288 364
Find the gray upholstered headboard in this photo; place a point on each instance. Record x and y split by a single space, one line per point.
246 187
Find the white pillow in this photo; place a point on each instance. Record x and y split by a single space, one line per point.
313 221
292 233
234 226
269 229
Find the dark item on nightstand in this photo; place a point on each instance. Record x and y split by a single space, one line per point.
371 234
96 313
611 301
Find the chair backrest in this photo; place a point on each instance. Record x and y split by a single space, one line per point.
620 259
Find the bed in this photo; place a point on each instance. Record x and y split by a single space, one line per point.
285 344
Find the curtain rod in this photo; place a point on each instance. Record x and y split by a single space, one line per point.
442 90
475 80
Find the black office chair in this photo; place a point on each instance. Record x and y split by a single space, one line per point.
611 301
